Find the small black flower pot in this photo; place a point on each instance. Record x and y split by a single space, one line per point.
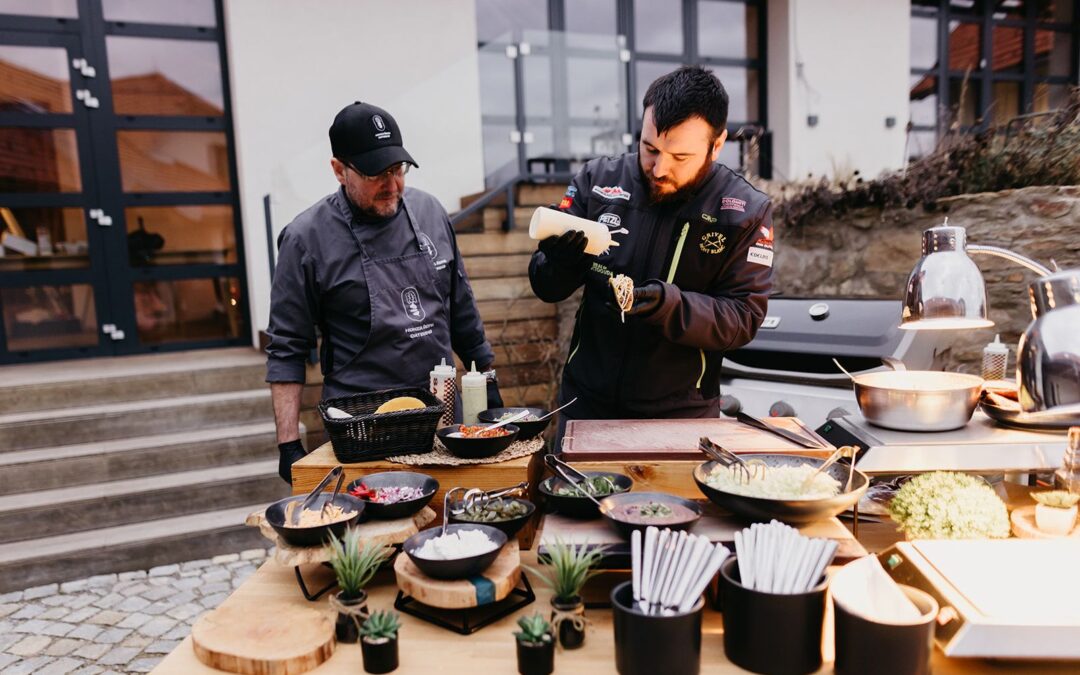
536 658
570 637
380 656
346 628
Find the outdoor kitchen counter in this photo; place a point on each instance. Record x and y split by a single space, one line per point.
427 649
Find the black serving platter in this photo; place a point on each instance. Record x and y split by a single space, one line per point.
405 509
320 534
608 506
461 568
509 527
476 448
579 507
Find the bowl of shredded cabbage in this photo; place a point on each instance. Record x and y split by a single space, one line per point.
780 486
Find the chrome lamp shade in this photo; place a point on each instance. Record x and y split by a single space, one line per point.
1048 357
945 289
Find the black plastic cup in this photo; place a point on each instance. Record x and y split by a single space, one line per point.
866 646
774 633
647 644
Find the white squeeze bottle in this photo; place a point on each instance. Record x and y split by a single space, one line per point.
473 395
995 359
443 384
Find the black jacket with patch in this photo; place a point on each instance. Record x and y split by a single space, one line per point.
713 255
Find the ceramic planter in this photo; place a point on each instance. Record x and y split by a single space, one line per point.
570 636
535 658
380 655
1054 520
345 628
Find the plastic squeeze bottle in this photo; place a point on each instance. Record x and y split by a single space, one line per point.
473 395
443 385
995 360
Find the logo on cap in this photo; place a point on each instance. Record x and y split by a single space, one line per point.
380 127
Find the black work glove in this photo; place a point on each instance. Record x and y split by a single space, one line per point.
567 250
289 453
494 398
647 298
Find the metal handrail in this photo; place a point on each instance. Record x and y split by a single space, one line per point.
508 188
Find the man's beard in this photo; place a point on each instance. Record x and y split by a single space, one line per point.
373 209
679 195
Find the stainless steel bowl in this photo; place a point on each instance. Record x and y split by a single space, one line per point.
917 400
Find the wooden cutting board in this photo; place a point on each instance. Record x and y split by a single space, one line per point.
677 439
492 585
259 636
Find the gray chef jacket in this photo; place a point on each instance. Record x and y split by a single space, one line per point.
322 279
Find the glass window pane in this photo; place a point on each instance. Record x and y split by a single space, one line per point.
645 73
658 27
742 89
35 238
1049 97
65 9
181 235
173 161
965 45
49 317
496 82
596 88
924 42
39 160
165 77
1060 11
596 141
920 144
969 7
496 17
1052 49
964 101
500 155
1012 10
1008 50
188 309
591 16
34 80
727 29
537 86
1005 104
187 13
924 100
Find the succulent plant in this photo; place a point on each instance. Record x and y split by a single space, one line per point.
355 565
382 624
1058 499
568 567
534 629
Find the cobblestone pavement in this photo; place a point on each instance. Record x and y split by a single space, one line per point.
114 623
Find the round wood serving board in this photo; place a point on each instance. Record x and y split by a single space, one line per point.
1024 527
247 635
494 583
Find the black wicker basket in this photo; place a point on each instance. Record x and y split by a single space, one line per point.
367 436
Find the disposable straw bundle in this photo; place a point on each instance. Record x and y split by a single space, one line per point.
670 570
775 558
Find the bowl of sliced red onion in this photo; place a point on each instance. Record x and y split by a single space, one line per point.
390 495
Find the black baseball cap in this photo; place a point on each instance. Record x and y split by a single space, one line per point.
368 138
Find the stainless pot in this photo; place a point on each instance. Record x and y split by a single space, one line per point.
917 400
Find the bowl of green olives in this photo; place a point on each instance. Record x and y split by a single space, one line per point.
506 514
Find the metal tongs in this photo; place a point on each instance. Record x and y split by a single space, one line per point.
477 497
848 451
338 472
744 471
574 477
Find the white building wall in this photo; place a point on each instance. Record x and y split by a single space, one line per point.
854 75
293 65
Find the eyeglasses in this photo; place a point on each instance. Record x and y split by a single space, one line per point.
396 171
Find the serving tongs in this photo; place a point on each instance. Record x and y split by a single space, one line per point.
744 471
848 451
478 498
339 473
797 439
573 476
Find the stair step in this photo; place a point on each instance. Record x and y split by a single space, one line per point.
506 288
496 266
101 461
494 216
39 429
496 243
497 311
136 546
84 382
45 513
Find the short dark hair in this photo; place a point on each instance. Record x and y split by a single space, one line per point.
684 93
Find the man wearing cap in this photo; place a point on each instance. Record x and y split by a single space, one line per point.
375 266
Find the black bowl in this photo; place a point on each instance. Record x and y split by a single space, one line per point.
796 511
320 534
528 429
461 568
406 509
509 527
579 507
476 448
625 528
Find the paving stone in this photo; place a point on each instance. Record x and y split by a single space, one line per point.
157 592
102 580
185 611
32 627
40 591
178 633
134 620
88 670
60 667
32 665
92 651
8 639
31 645
29 612
161 647
80 615
195 564
74 586
132 604
212 601
63 647
164 570
158 626
142 665
86 632
119 656
7 660
58 600
112 635
54 613
187 583
130 576
163 581
9 608
107 617
109 601
216 575
57 628
130 588
253 554
137 641
187 574
158 608
13 596
79 601
226 558
211 589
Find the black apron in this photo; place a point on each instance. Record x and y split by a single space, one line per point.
410 329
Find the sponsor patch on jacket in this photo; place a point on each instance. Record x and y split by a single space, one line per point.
570 191
566 202
765 236
612 220
708 218
733 204
760 255
712 243
613 192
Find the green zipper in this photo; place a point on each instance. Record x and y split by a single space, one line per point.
577 324
671 279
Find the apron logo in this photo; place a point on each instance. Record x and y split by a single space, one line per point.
612 220
428 245
410 300
712 243
380 127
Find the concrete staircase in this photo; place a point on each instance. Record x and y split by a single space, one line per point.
118 464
